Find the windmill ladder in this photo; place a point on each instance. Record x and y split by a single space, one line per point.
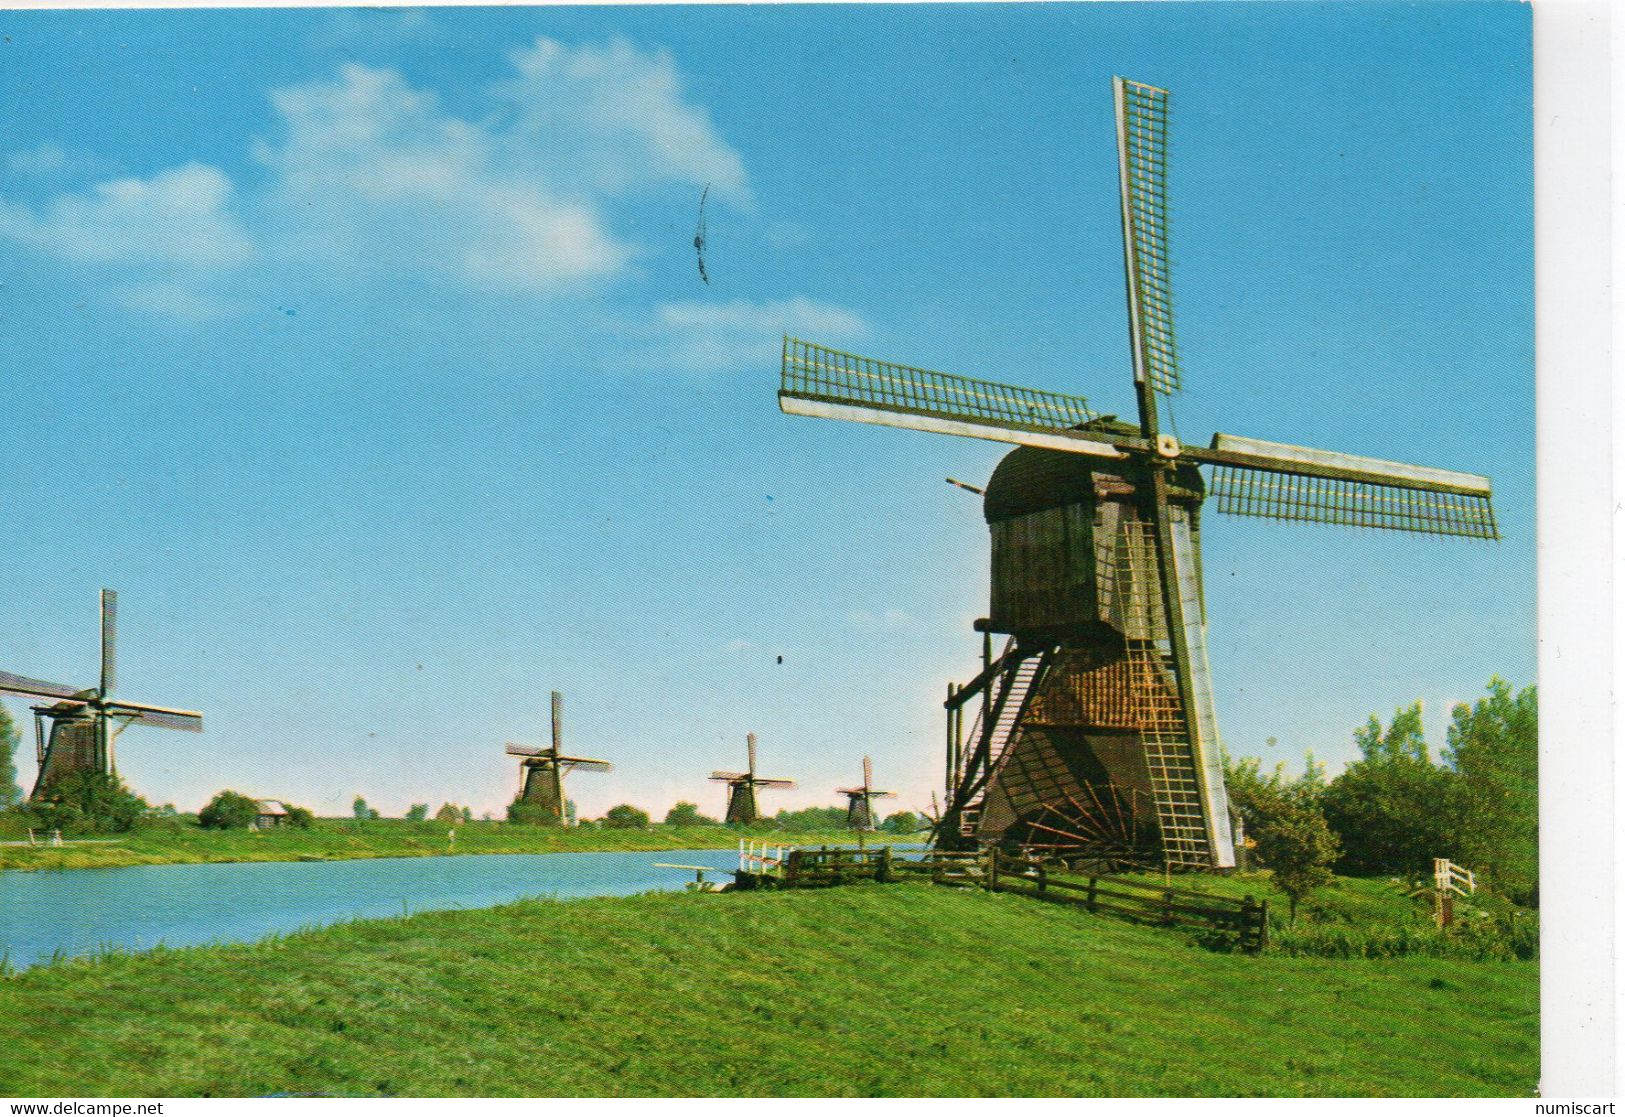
1004 731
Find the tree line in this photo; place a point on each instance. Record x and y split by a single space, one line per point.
1394 810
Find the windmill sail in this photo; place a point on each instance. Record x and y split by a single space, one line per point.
828 384
1281 482
109 639
25 687
1142 155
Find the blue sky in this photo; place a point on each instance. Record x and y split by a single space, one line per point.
365 354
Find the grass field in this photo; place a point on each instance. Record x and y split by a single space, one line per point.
871 990
183 843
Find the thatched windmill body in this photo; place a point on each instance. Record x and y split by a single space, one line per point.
742 808
1097 730
76 727
860 812
542 771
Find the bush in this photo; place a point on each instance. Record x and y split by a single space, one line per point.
300 818
229 810
688 814
88 802
625 817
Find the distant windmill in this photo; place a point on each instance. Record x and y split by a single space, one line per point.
542 771
742 787
860 814
84 723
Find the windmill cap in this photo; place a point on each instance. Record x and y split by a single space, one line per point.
1030 479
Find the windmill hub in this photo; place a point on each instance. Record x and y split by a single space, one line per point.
1167 446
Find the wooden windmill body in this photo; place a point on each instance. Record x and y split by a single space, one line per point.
542 771
76 729
1096 731
742 806
860 811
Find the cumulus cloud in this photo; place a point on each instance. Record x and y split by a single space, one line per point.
178 218
373 170
719 337
370 176
615 118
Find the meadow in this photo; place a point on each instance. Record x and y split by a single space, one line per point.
903 989
177 841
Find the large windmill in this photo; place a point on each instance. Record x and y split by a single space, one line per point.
742 787
860 812
85 722
542 771
1097 731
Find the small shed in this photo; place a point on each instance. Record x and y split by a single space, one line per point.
269 813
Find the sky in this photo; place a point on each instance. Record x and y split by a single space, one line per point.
366 355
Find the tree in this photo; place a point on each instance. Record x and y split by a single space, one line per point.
300 818
89 801
1394 810
903 822
468 814
688 814
417 812
526 813
361 811
625 817
10 792
1298 848
811 819
1492 746
228 810
448 815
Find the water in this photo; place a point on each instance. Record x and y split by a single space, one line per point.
81 911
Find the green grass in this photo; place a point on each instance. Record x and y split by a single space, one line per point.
185 843
871 990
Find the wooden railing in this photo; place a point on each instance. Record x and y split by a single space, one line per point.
1245 921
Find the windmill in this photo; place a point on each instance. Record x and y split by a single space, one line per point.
85 722
542 771
860 815
1097 730
742 787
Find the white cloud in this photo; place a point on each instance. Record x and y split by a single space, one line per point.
886 620
614 118
373 171
44 159
369 177
719 337
179 218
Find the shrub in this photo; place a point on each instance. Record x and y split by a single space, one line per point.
625 817
88 802
530 814
229 810
688 814
300 818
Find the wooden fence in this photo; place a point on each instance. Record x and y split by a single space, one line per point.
1246 919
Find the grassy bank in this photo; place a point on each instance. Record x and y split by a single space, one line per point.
874 990
182 843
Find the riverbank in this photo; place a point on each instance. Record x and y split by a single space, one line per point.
329 840
871 990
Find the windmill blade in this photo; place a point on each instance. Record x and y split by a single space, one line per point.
109 637
750 752
868 773
1282 482
526 750
36 688
586 764
161 717
729 776
1142 157
775 783
851 791
828 384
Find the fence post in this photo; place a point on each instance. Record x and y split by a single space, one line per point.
992 879
883 866
1043 879
1090 902
1167 907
